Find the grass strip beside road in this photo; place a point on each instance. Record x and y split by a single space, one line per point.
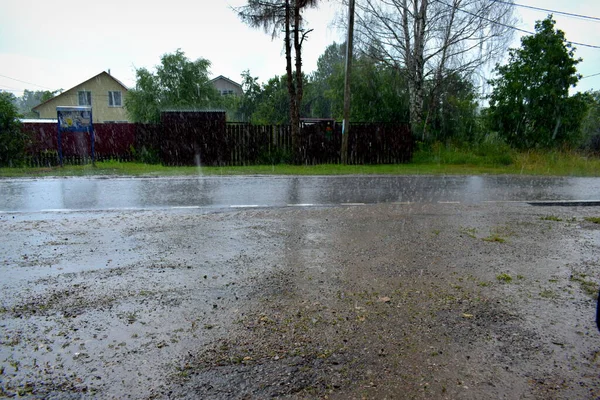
530 163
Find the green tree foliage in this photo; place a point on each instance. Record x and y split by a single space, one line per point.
12 140
272 104
432 40
178 83
379 92
241 108
320 94
32 98
590 128
266 104
453 112
530 104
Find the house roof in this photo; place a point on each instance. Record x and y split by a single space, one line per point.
93 77
225 79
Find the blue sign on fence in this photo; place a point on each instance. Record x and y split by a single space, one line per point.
74 119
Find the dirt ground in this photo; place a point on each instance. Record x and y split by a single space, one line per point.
436 301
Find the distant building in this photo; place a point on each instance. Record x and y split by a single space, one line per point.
103 92
227 87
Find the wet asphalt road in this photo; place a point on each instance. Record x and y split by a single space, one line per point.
102 194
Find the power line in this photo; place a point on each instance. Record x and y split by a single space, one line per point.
29 83
589 76
552 11
9 89
510 26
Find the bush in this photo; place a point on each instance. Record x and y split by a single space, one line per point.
13 141
593 144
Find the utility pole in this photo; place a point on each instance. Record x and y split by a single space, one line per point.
346 121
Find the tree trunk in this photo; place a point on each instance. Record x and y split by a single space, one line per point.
415 93
347 75
295 117
414 61
290 84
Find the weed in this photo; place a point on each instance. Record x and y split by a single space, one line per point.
436 232
494 238
548 294
15 364
130 317
504 278
590 288
551 218
595 220
470 232
14 341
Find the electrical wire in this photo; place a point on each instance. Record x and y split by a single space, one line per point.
552 11
29 83
510 26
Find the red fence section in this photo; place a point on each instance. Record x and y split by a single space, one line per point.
111 141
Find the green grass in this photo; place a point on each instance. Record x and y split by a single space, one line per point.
504 278
438 160
494 238
595 220
589 287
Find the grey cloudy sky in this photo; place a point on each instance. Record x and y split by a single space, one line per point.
58 44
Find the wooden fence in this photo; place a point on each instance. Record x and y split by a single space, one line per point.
319 144
258 144
208 140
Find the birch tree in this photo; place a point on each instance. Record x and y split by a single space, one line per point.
431 40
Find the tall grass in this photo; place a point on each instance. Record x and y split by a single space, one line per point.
489 152
567 163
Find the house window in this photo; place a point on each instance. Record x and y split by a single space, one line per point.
114 99
85 98
226 92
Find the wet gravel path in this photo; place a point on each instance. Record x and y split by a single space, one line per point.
383 301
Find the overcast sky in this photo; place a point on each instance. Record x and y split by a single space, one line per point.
59 44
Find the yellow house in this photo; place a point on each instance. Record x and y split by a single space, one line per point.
103 92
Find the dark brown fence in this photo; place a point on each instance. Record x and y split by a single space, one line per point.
193 138
320 144
205 139
258 144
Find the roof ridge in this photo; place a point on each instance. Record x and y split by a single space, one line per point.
227 79
79 84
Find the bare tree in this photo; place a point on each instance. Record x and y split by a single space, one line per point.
432 39
276 16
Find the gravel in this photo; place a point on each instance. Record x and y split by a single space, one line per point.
381 301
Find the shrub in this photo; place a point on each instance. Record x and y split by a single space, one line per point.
13 141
